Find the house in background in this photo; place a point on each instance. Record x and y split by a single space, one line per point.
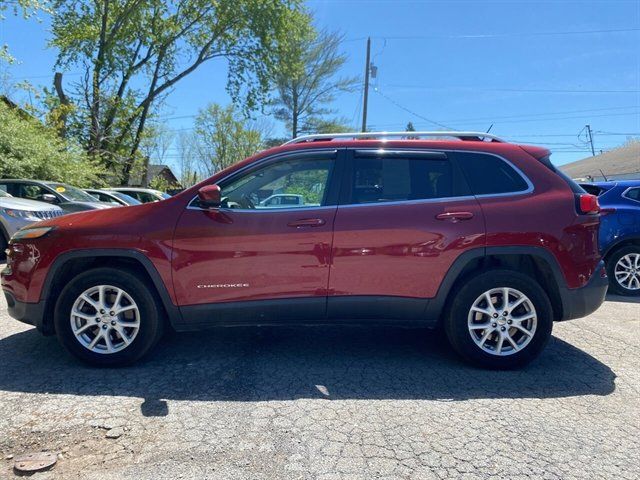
154 172
622 163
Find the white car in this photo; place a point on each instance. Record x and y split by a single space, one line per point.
144 195
16 213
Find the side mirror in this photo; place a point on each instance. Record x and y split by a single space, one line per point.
210 196
49 198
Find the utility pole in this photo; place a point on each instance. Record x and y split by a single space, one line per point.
366 86
590 133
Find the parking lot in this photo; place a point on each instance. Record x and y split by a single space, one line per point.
328 403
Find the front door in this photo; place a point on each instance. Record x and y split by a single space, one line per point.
404 217
256 249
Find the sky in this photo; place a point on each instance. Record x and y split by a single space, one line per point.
534 71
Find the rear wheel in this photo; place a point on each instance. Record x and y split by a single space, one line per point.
108 317
623 270
499 319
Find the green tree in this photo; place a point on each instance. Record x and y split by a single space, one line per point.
223 138
133 52
307 81
28 149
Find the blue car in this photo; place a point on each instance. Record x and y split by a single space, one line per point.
620 232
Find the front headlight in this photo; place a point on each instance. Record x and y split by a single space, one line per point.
22 214
30 233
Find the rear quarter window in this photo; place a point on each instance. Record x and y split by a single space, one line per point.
490 175
633 194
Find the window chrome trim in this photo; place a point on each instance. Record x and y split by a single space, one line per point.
269 159
624 194
529 189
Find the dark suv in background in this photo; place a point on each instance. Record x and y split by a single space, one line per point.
483 237
70 199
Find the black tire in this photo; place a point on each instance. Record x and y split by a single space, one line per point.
4 242
457 317
151 320
612 260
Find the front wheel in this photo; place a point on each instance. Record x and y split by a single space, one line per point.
108 317
623 270
499 319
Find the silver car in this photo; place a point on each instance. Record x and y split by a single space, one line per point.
16 213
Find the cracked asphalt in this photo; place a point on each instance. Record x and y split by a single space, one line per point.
328 403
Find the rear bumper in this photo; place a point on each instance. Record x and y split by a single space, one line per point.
29 313
580 302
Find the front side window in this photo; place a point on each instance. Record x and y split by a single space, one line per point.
295 183
490 175
377 180
32 192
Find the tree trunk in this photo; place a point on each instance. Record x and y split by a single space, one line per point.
64 102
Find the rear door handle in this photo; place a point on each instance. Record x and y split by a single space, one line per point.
455 216
307 222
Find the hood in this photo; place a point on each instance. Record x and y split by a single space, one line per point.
92 205
24 204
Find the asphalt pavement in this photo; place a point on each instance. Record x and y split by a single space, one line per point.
328 403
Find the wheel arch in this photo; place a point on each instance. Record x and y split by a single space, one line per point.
69 264
535 262
620 243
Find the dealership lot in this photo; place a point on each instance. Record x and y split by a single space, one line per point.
328 403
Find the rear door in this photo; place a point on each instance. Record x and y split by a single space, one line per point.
404 217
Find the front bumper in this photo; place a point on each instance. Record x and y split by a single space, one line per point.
29 313
580 302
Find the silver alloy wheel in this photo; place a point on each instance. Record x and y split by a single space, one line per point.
502 321
627 271
105 319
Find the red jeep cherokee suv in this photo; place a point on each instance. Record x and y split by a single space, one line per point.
483 237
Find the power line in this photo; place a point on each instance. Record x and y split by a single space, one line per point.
517 90
495 35
411 111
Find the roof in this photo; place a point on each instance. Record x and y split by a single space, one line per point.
622 162
621 183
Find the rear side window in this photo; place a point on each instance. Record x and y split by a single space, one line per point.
489 175
381 179
633 194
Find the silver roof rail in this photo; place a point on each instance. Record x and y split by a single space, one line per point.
376 135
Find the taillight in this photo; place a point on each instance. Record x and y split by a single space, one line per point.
588 203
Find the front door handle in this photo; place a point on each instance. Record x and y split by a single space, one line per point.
455 216
307 222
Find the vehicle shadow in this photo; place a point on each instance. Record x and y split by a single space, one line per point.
621 298
259 364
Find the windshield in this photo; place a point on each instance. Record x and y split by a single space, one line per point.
72 193
126 198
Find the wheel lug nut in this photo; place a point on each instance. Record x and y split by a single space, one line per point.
112 313
495 315
98 320
502 328
494 325
504 314
509 322
102 312
113 322
104 327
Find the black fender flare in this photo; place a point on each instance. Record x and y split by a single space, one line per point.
172 310
436 305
